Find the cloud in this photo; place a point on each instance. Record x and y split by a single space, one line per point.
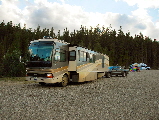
140 26
143 3
157 24
55 15
10 11
142 15
60 16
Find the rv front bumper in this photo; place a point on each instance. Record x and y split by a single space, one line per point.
42 79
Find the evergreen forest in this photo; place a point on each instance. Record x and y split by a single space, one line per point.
122 48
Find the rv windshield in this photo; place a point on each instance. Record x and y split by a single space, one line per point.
41 51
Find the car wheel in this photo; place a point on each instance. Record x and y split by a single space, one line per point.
124 74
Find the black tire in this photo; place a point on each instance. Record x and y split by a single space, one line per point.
64 81
124 74
42 83
108 75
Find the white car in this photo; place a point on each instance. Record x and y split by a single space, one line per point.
144 68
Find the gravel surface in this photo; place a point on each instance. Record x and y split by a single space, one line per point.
135 97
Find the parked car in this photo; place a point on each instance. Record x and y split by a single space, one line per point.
118 70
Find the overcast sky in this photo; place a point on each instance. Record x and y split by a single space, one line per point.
134 16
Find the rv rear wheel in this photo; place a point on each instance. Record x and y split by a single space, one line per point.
108 74
64 81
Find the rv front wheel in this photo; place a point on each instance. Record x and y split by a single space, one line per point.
64 81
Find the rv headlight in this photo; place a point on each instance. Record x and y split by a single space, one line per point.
49 75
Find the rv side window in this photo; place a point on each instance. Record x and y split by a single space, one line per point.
79 55
87 56
62 56
57 55
84 56
103 62
94 58
91 59
72 55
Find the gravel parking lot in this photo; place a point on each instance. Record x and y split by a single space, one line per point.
135 97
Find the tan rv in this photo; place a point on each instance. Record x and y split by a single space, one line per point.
55 61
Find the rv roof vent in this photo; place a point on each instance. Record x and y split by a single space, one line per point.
47 37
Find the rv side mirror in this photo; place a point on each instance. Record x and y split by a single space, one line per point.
20 59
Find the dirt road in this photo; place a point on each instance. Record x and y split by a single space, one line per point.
135 97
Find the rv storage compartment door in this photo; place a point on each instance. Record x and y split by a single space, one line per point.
72 61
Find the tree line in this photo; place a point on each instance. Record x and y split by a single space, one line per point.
122 48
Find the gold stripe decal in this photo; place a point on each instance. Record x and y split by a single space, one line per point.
78 67
60 69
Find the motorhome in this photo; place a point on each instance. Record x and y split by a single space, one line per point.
55 61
